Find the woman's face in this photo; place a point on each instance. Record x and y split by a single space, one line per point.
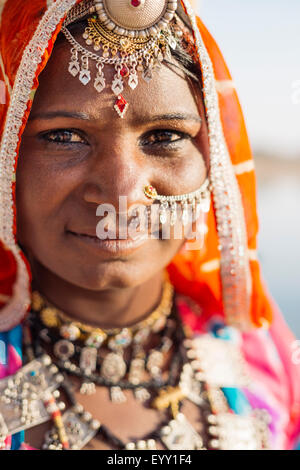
77 154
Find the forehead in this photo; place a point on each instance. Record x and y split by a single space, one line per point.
169 91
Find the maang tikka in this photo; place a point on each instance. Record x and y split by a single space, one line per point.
134 36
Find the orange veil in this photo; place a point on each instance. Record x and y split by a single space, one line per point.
28 30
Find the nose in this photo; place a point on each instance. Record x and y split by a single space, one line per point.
118 169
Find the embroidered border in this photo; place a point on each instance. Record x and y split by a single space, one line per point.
235 270
13 313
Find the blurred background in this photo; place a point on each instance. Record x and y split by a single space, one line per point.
260 41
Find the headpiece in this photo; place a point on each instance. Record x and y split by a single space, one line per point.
131 35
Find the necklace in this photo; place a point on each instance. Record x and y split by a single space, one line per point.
80 349
204 366
55 318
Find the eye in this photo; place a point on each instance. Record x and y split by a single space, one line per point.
63 137
163 138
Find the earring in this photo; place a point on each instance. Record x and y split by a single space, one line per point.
196 202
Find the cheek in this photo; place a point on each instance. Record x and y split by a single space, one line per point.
182 175
40 191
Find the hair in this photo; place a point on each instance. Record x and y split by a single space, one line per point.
185 62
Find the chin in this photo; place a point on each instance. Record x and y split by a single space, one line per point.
103 275
92 269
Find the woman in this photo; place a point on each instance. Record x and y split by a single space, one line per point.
117 112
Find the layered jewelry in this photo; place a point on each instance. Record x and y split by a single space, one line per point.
131 35
198 380
79 347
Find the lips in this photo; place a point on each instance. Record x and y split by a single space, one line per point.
124 237
111 246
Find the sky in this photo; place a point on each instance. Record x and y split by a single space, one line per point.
260 41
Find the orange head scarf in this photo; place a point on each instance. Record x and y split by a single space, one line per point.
223 277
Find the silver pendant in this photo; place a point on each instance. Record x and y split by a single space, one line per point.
185 214
235 432
173 213
74 68
88 359
21 395
80 429
85 76
117 395
99 83
88 363
179 434
113 367
117 85
155 362
88 388
137 368
133 81
142 394
64 349
22 415
163 212
148 74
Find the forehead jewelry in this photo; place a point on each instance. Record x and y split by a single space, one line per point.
198 201
131 35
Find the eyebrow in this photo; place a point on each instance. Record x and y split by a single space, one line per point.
86 117
57 114
175 117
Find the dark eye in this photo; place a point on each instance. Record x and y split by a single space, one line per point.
163 138
63 137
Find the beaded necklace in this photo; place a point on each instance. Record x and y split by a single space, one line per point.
98 355
194 378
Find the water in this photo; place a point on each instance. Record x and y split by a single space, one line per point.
279 239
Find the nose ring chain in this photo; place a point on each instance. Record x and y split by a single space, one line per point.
195 202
